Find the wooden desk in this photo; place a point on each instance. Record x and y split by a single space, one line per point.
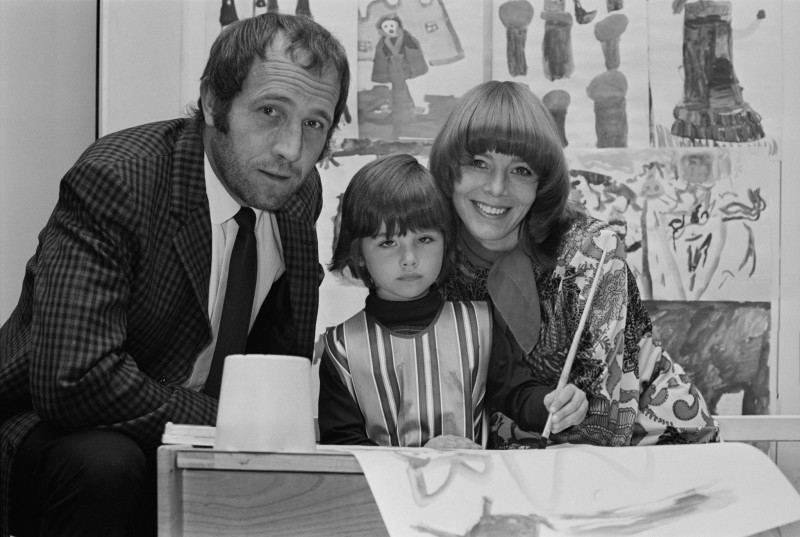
218 493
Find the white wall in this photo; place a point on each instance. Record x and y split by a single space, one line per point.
47 118
788 358
140 59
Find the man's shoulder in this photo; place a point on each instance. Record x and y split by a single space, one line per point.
306 203
142 141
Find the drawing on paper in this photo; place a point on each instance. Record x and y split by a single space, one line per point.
398 57
433 478
476 467
695 222
583 16
516 16
557 61
723 346
557 102
580 490
629 520
713 105
696 227
593 64
227 13
715 74
614 5
608 89
400 45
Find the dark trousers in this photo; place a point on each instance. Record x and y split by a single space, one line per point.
84 483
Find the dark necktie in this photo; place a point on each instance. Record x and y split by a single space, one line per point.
235 321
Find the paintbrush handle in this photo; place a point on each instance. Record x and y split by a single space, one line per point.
573 348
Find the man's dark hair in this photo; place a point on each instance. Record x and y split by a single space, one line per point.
239 45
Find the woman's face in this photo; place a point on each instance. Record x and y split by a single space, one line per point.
494 194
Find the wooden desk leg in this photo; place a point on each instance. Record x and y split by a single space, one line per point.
170 493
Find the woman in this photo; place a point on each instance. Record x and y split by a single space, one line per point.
521 245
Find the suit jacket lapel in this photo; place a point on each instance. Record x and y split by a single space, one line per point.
296 221
191 213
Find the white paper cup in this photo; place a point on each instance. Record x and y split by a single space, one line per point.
265 404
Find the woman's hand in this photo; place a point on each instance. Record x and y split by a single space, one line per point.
568 407
448 441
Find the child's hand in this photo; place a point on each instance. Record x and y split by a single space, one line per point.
448 441
568 409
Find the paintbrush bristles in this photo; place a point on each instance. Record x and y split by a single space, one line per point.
573 348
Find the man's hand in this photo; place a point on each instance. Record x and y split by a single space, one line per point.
568 407
448 441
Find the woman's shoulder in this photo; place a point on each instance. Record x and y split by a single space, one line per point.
585 226
586 234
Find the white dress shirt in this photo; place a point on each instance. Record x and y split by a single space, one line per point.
223 234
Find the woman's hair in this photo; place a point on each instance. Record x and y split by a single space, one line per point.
395 190
506 117
241 43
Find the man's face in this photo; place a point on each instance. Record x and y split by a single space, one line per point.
278 126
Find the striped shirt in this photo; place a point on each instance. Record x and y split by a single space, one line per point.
413 387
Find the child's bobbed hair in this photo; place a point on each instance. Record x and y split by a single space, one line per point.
395 190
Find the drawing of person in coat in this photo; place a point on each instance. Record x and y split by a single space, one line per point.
398 57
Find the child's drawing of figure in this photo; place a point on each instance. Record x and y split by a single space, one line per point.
713 107
398 57
557 59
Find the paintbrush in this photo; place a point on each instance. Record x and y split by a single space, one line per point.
573 349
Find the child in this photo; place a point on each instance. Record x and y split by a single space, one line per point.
412 369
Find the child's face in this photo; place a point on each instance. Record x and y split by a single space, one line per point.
403 267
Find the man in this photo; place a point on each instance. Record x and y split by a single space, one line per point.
122 302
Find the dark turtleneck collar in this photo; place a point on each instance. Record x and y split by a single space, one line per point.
418 313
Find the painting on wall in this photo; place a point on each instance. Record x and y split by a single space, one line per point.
715 73
697 222
414 60
698 227
724 346
588 67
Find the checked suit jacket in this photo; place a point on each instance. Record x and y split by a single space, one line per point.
114 305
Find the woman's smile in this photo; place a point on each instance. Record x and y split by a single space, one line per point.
490 210
493 197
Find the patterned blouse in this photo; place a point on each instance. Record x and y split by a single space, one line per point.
637 394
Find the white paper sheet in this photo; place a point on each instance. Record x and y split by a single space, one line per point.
726 489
